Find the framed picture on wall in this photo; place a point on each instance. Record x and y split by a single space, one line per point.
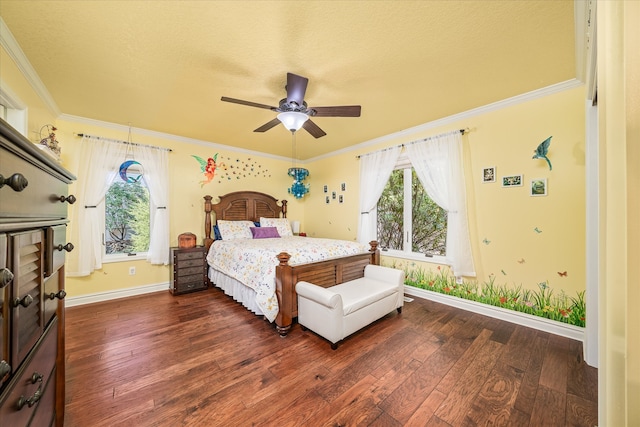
326 189
340 198
343 186
538 187
512 181
327 199
333 195
489 174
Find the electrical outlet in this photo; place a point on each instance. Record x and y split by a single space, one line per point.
132 271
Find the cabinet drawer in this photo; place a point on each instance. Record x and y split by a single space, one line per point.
56 240
31 380
40 199
52 286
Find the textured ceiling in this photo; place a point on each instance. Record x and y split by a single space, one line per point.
163 65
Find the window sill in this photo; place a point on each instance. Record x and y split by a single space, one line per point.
124 258
415 257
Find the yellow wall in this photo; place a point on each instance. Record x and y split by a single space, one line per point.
186 191
506 217
38 112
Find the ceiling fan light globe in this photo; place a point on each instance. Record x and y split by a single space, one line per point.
292 120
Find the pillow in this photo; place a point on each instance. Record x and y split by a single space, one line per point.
264 232
281 224
230 230
216 233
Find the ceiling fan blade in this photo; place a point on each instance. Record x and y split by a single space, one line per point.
338 111
313 129
265 127
249 103
296 88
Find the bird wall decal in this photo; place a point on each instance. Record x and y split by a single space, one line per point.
542 150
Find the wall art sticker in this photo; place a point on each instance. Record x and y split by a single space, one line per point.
489 174
538 187
512 181
230 169
207 167
542 150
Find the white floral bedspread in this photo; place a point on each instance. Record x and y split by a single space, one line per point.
253 261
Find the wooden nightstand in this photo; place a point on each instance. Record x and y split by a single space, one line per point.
188 270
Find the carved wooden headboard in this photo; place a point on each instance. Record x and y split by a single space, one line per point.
241 206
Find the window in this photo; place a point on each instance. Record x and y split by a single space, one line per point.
407 219
127 218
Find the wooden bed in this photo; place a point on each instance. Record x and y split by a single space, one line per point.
250 206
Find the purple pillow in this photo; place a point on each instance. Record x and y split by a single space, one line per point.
264 232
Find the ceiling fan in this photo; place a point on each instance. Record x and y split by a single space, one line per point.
294 112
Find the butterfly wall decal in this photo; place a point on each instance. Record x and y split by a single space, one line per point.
562 274
537 230
486 241
542 150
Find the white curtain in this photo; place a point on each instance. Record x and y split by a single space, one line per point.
100 162
438 164
156 175
375 170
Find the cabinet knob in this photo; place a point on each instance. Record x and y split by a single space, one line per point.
60 294
6 276
26 301
68 247
5 368
71 199
17 181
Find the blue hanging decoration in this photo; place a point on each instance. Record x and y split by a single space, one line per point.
131 171
298 188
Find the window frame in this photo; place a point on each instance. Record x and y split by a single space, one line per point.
404 163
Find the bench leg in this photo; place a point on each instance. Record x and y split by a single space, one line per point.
334 346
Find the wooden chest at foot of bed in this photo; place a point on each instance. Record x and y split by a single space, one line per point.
188 270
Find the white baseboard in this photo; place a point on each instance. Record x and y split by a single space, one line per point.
523 319
119 293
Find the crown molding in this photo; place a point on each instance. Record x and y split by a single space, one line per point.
13 49
166 136
411 132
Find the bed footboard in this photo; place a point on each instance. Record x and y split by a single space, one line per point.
323 273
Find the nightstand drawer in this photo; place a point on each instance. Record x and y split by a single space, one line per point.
190 271
195 255
189 287
191 278
190 263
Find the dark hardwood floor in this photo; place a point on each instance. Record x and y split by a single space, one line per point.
202 360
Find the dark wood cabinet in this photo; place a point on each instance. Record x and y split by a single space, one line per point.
188 270
33 222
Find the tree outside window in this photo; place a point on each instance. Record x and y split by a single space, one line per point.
407 219
127 219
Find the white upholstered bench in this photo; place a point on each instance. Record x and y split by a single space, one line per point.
338 311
